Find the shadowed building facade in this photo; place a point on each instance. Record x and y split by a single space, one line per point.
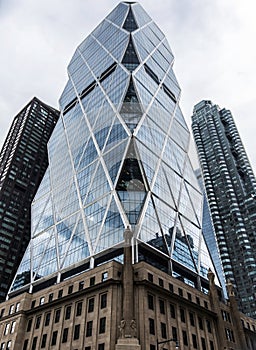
116 243
23 161
231 191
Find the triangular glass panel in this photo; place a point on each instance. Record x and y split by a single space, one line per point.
131 110
95 214
174 156
186 207
89 154
189 175
167 217
64 233
184 250
130 24
99 186
84 178
151 232
130 59
39 246
42 215
78 246
118 14
24 274
151 135
117 134
45 186
113 228
49 263
113 160
130 186
149 161
163 188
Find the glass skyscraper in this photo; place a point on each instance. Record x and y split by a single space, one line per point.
23 161
118 158
231 190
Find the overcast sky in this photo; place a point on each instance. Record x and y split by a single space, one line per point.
213 42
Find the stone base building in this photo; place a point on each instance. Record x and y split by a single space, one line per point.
87 312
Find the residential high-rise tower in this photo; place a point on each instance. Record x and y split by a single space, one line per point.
231 190
23 161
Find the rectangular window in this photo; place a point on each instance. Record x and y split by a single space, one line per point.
185 338
91 305
33 303
180 291
197 300
104 276
200 322
25 345
163 330
205 304
34 343
192 319
60 293
203 343
152 347
6 329
50 297
92 281
47 319
182 315
57 316
68 312
13 327
2 346
65 335
81 285
211 345
189 297
2 314
101 346
162 306
150 302
87 348
209 326
174 333
29 325
41 301
89 329
54 337
102 328
70 289
150 277
194 341
11 309
77 331
160 282
151 326
79 308
17 308
8 345
171 287
103 301
172 311
43 343
38 321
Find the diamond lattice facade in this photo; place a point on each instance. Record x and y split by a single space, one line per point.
118 158
231 190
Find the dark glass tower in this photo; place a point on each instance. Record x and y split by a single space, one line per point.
231 190
118 158
23 161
